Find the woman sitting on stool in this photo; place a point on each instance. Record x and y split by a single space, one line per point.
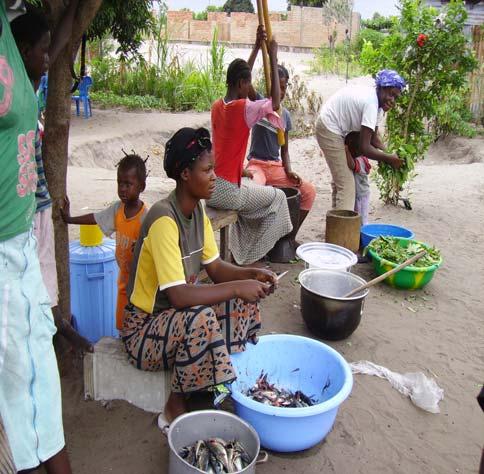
172 321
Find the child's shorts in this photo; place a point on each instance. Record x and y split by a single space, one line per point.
44 233
30 392
362 207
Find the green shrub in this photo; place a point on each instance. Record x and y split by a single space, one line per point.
453 115
167 85
335 61
375 37
429 49
200 16
379 22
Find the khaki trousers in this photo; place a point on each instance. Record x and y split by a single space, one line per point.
343 183
6 459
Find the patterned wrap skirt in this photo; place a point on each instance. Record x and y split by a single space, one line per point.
263 217
194 342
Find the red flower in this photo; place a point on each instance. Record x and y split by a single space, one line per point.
421 39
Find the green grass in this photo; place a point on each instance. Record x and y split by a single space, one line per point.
132 102
168 85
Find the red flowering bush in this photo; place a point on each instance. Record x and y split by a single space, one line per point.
435 65
421 39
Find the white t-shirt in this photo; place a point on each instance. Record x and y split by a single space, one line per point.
351 108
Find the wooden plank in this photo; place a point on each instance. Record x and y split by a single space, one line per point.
224 244
220 218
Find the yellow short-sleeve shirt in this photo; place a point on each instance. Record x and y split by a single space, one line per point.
170 251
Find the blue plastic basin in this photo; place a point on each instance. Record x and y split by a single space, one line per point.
295 363
369 232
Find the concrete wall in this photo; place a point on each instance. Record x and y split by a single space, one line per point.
304 27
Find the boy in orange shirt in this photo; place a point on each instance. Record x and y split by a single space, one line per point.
123 217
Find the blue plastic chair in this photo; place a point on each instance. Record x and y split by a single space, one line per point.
84 86
42 92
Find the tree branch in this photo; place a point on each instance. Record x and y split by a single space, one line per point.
410 105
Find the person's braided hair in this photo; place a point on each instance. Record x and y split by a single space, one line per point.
283 72
133 161
238 69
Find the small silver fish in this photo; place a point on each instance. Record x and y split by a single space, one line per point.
270 395
230 456
216 464
198 446
264 392
216 456
192 457
203 457
243 453
217 448
219 440
238 463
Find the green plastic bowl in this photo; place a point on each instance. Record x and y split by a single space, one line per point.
410 278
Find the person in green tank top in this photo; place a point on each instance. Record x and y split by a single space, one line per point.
32 35
18 123
30 395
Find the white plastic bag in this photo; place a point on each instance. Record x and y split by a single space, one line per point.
423 391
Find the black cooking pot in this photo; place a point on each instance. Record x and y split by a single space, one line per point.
324 310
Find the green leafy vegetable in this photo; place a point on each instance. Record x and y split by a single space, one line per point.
392 249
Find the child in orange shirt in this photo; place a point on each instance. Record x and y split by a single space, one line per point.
123 217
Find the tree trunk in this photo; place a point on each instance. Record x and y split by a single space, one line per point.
54 153
56 138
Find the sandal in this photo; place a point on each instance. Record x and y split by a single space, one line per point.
163 423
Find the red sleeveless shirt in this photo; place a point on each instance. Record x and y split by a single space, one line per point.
230 135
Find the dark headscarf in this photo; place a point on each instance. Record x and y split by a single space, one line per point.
184 148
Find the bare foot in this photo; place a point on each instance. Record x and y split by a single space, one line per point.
175 406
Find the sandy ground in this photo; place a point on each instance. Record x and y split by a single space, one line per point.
438 331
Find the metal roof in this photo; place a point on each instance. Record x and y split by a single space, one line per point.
475 10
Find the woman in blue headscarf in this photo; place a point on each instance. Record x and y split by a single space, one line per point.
356 109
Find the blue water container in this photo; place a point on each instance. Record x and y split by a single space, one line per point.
94 274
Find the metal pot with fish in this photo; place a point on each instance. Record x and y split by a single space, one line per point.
213 441
323 307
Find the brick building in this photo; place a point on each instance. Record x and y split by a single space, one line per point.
304 27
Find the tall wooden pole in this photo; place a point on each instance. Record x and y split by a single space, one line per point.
265 55
267 23
267 20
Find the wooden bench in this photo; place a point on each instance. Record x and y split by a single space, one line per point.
221 219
